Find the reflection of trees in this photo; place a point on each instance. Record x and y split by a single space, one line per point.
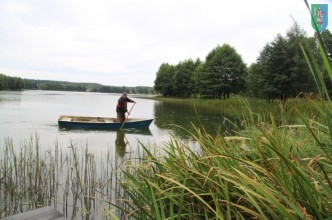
120 143
184 115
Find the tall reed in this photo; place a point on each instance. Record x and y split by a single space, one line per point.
264 172
72 180
27 182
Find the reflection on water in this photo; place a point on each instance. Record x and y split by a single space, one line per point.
181 118
139 131
120 143
9 97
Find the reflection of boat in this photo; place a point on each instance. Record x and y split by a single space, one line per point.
139 131
66 121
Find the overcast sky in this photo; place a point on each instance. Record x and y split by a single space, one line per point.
124 42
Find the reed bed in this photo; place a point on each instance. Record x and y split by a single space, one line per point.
76 182
264 172
26 181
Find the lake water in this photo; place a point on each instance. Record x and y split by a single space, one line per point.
27 114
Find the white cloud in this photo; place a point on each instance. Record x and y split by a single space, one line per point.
124 42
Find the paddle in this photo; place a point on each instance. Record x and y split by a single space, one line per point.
128 115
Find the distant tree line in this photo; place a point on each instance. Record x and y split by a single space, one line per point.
16 83
10 83
280 71
132 90
31 84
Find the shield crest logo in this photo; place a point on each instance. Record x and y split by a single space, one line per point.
319 16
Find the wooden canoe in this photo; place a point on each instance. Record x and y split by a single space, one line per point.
66 121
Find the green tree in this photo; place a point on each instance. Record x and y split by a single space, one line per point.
3 82
327 40
255 80
224 72
300 76
10 83
182 78
259 78
281 70
163 83
197 87
277 69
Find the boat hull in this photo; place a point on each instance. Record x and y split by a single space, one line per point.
80 122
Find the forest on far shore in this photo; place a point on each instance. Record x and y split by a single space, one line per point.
17 83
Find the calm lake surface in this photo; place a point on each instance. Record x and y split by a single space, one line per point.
25 114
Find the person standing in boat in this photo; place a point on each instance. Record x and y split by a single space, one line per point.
121 107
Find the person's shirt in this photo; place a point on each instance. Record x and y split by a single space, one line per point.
122 103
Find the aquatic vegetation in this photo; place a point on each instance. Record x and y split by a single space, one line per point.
73 180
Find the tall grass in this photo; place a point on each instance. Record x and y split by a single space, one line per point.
27 181
273 168
264 172
76 182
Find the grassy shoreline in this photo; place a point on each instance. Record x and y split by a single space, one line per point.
244 107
